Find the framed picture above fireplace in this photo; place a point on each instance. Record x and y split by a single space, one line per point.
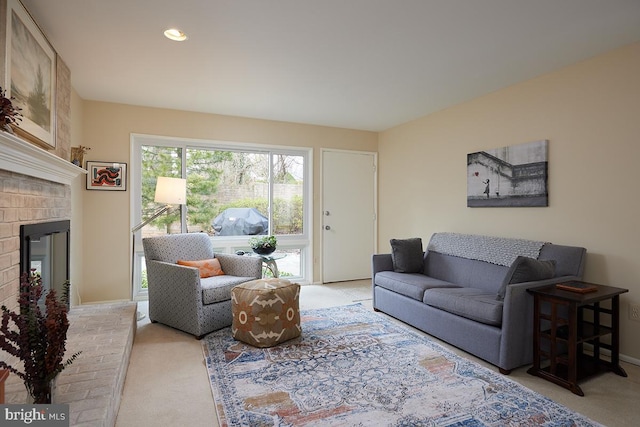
30 78
108 176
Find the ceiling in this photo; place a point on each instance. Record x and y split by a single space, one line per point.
359 64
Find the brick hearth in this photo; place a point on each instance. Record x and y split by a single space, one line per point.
93 383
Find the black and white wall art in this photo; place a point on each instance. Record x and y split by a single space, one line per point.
508 176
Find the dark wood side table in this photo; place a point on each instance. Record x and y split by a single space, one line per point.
4 374
563 322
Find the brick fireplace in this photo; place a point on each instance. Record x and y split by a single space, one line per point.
35 186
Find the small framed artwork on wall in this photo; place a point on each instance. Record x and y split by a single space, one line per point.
108 176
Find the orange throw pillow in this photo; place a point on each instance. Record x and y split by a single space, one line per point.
207 267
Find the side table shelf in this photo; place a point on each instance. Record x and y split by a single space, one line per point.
564 322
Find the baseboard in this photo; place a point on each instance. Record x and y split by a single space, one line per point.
114 301
607 353
630 359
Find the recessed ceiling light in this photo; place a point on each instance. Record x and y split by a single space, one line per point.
175 34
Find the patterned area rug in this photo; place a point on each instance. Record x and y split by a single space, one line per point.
353 367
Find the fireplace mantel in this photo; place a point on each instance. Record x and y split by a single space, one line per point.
19 156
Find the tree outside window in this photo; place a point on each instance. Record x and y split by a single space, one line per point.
219 180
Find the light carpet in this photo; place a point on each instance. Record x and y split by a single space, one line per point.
353 367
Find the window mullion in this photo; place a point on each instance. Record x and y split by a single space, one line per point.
270 208
183 208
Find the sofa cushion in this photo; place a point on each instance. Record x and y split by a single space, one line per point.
468 273
569 260
409 285
526 269
407 255
218 288
472 303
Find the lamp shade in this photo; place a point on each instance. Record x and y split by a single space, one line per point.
171 191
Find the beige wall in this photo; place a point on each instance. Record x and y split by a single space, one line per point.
590 113
106 128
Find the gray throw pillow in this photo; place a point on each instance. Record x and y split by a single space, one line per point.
407 255
525 269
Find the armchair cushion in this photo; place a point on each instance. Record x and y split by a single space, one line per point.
240 265
208 267
218 288
172 247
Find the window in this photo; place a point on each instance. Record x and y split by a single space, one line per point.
229 192
234 191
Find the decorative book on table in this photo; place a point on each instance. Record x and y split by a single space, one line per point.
575 286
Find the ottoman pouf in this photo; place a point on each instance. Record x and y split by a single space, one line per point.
265 312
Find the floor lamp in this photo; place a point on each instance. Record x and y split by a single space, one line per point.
171 192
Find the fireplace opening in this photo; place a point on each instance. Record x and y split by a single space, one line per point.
45 247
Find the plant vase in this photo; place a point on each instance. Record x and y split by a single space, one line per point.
263 245
41 392
268 250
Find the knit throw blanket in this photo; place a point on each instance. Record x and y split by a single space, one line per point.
495 250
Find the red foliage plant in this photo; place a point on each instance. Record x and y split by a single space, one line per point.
36 338
8 113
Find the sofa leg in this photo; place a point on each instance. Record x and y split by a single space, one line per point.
504 371
199 337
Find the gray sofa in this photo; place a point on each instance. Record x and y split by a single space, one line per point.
471 291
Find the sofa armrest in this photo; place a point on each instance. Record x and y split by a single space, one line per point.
240 266
381 262
173 285
516 348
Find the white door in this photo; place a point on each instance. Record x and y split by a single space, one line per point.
348 214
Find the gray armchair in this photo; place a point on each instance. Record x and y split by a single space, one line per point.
178 297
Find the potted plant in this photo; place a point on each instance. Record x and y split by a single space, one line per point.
263 245
36 338
9 115
77 155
